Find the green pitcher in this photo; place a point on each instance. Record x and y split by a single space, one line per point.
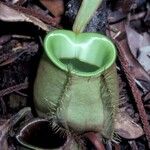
76 83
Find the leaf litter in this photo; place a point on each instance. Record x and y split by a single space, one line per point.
126 23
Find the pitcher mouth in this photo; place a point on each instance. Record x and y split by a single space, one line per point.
85 54
38 134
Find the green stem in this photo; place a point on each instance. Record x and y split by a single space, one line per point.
85 13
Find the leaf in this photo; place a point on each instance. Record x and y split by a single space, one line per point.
56 7
140 46
146 40
85 13
12 15
126 127
136 40
144 58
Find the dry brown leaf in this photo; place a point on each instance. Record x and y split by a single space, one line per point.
144 58
56 7
139 46
126 127
12 15
141 77
136 40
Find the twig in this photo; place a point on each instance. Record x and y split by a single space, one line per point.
125 62
136 94
3 106
22 94
95 140
49 20
14 88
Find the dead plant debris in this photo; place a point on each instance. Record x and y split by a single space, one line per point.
23 23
